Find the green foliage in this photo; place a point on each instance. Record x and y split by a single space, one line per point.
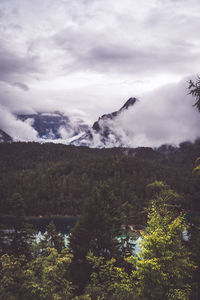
109 282
58 179
127 218
156 187
194 240
164 267
12 277
98 227
197 166
97 232
19 237
52 239
43 278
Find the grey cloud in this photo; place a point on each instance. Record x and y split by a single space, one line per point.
95 51
112 53
163 116
92 42
140 60
83 50
175 20
18 130
21 85
164 40
14 66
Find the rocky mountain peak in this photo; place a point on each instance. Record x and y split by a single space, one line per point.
131 101
105 132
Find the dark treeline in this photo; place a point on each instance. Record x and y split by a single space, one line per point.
58 179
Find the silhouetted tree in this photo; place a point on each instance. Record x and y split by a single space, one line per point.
52 239
20 234
194 90
96 232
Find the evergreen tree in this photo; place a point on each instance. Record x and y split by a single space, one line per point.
109 281
44 278
194 240
164 268
197 167
96 232
52 239
20 234
194 88
127 219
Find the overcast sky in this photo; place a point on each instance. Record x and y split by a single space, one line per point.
87 57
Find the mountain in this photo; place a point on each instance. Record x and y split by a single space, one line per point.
4 137
104 132
53 125
98 125
46 124
56 126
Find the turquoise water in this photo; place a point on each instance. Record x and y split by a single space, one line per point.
137 249
63 223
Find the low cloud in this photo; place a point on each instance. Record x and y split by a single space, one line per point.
165 116
18 130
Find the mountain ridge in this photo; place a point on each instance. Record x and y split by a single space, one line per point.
58 127
130 102
102 134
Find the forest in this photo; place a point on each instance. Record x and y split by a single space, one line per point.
58 179
114 196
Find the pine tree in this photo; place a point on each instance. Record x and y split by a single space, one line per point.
164 267
194 88
52 239
96 232
43 278
20 234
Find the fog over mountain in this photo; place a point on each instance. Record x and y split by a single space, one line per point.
83 59
163 116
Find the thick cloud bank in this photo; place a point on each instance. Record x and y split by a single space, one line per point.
163 116
18 130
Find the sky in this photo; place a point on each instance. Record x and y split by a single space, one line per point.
87 57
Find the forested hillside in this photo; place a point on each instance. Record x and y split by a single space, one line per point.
57 179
